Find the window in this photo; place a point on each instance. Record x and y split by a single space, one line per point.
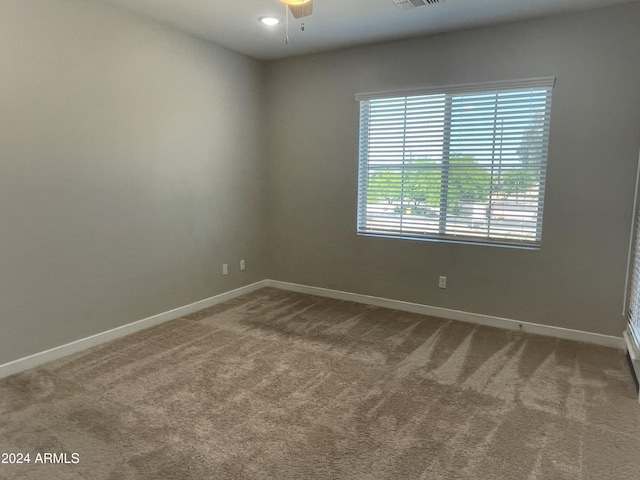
463 164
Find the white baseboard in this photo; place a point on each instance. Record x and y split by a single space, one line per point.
41 358
506 323
55 353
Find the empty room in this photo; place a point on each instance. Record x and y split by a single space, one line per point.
367 239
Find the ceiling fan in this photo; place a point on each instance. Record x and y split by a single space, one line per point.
304 8
299 8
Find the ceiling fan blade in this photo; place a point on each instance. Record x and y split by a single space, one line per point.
303 10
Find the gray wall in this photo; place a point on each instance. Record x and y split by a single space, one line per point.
130 160
577 278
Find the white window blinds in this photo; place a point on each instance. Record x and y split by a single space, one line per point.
463 163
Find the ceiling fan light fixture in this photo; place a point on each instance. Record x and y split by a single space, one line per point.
295 2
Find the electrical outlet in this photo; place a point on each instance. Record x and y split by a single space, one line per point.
442 282
225 269
242 265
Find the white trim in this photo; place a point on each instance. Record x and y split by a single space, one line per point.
55 353
541 82
506 323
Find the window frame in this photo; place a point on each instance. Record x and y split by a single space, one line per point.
450 92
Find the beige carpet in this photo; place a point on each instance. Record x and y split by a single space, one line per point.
281 385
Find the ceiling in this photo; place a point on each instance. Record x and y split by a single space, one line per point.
337 23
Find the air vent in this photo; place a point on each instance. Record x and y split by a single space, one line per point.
408 4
